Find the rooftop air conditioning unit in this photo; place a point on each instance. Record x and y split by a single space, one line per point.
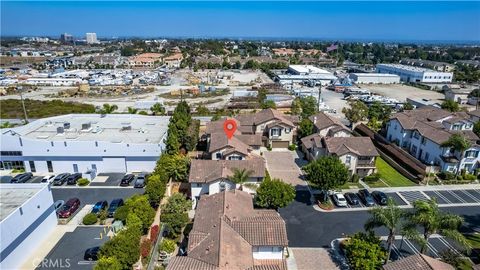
86 126
126 128
60 130
66 125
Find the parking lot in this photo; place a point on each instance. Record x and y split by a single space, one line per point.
69 251
436 245
5 179
444 198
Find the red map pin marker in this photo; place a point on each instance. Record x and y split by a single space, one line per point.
229 126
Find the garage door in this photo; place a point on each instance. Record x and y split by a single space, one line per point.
111 165
280 144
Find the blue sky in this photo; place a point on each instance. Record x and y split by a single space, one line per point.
426 20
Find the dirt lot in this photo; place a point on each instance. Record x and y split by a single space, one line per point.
402 92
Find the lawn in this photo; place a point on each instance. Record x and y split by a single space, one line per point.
349 185
12 108
474 240
391 176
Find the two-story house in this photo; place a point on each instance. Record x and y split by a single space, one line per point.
422 132
328 126
357 153
213 176
278 130
239 147
228 233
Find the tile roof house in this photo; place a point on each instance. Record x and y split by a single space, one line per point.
239 147
418 262
208 177
277 129
357 153
326 125
421 132
229 234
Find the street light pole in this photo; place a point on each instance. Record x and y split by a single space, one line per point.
19 89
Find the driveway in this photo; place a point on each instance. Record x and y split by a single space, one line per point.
285 166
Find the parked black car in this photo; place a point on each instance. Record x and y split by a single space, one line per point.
99 207
21 178
380 197
366 198
352 198
126 180
116 203
60 179
72 179
91 254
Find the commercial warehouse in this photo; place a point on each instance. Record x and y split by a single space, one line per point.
306 74
415 74
85 142
27 217
374 78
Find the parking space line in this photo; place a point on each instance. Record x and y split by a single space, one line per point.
466 192
397 251
433 249
403 198
441 196
411 246
426 196
456 196
446 243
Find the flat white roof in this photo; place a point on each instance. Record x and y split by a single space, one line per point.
375 75
411 68
127 128
323 76
308 69
12 196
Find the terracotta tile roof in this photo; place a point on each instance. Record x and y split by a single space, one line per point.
475 113
219 141
418 262
205 171
312 140
225 228
361 146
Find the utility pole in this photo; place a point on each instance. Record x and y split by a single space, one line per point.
319 95
19 89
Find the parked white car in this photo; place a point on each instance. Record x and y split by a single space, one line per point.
339 200
48 178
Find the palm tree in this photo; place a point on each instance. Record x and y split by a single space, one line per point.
459 143
132 110
428 216
240 176
107 108
388 217
158 108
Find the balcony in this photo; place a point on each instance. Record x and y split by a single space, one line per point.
366 163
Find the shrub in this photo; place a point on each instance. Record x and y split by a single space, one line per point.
292 147
102 215
121 213
355 178
83 182
274 194
470 177
167 246
18 170
143 113
154 233
446 175
372 178
90 219
269 148
145 247
459 177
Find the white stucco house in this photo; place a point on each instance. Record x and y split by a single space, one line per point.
421 133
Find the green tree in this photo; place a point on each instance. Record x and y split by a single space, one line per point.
107 263
240 176
155 188
326 173
125 247
407 106
309 106
174 213
107 108
158 109
379 111
431 220
274 194
364 252
476 128
388 217
132 110
296 106
357 112
140 206
121 213
450 105
268 104
6 125
374 124
176 167
305 128
172 143
458 143
202 110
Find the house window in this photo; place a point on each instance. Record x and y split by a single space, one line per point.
456 127
424 140
471 154
287 130
348 159
218 155
49 166
32 166
234 158
427 155
222 186
275 132
414 150
416 135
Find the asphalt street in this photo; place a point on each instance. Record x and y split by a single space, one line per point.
307 227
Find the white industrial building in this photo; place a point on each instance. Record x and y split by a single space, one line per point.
306 74
27 218
415 74
53 81
85 143
91 38
374 78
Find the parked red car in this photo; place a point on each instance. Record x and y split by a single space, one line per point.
69 208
